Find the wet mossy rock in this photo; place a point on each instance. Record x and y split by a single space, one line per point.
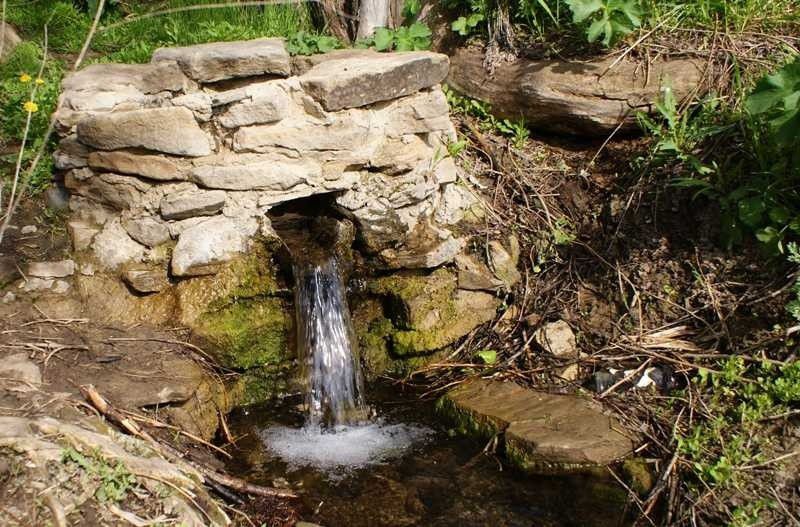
428 312
236 313
247 333
541 432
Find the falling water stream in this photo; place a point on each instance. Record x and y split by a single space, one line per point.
326 346
339 434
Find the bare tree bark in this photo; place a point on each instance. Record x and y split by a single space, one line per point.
373 14
332 10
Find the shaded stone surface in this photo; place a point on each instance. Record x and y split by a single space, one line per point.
20 368
169 130
71 153
542 431
363 80
148 231
146 279
428 312
226 60
10 39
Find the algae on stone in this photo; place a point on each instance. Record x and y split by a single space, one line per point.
249 276
247 333
428 312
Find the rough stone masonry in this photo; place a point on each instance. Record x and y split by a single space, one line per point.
182 158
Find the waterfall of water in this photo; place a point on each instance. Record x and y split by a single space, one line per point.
327 347
337 435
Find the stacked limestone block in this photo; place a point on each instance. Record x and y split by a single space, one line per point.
182 158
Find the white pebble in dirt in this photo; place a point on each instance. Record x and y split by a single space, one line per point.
343 449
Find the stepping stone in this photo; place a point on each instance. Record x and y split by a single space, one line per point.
542 432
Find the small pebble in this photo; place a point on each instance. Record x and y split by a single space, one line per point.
9 297
28 229
87 269
61 287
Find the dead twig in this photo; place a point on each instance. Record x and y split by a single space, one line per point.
115 416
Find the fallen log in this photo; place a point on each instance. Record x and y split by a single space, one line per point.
168 452
590 98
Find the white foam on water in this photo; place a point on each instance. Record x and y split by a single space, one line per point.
343 448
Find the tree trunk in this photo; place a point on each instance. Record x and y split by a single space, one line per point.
373 14
332 11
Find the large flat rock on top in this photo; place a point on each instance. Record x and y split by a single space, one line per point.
146 78
227 60
541 430
361 80
171 130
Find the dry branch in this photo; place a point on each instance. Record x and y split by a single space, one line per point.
171 454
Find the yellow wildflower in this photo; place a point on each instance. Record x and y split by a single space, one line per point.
24 78
39 81
30 107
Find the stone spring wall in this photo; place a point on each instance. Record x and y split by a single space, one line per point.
174 165
199 144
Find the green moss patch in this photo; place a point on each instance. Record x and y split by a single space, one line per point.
248 333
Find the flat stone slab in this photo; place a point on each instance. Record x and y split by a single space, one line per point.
170 130
51 269
576 97
159 168
145 279
542 431
362 80
192 203
271 175
148 230
146 78
227 60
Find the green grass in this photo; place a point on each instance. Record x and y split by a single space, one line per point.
552 19
18 78
135 41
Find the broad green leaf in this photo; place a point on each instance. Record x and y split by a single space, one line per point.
780 215
583 9
459 25
418 30
487 356
411 9
633 12
772 90
384 38
597 28
751 211
474 19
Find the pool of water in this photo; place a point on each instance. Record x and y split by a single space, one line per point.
406 469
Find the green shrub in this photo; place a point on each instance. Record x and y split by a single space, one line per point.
743 158
611 19
303 43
